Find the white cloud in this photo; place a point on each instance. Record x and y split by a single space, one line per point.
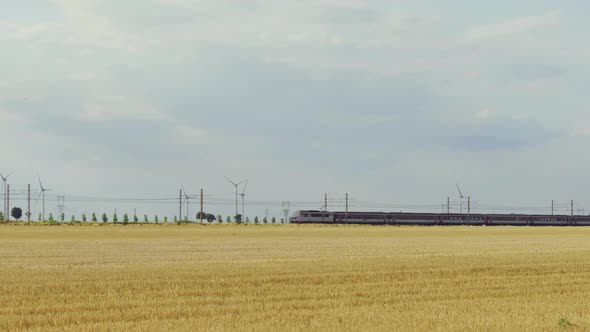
580 130
11 118
83 76
85 25
513 27
485 114
11 31
184 134
112 107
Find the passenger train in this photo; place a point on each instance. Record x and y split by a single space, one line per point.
385 218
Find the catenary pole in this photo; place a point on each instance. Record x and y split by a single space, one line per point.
202 206
29 203
469 210
346 213
180 205
7 202
448 205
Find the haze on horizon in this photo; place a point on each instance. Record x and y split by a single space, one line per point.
392 101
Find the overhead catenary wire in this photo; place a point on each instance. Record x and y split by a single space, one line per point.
213 199
336 203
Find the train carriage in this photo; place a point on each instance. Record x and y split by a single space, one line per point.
400 218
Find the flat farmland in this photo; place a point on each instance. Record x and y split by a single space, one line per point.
293 278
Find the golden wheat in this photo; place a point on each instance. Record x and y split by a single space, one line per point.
293 278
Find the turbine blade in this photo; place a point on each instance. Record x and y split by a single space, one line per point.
40 184
230 181
245 186
460 193
38 196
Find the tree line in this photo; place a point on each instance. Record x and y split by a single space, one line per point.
17 214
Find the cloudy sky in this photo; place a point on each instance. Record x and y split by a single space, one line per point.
392 101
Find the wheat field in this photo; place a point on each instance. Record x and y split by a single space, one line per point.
293 278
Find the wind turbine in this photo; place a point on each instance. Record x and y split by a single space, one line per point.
4 179
243 194
236 185
186 197
43 190
461 201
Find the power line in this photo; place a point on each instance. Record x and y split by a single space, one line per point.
217 201
286 208
334 202
22 195
61 201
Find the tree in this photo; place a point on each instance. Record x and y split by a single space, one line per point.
40 217
51 217
73 218
282 221
175 219
62 217
94 219
256 220
204 215
104 217
211 218
156 220
2 216
145 218
135 218
228 220
166 219
84 217
247 220
115 219
125 218
16 213
238 218
265 220
274 220
220 219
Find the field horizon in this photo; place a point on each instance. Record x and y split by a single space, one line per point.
293 277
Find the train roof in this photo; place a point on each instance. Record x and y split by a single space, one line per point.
438 214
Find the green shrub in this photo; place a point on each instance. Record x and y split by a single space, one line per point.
564 323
